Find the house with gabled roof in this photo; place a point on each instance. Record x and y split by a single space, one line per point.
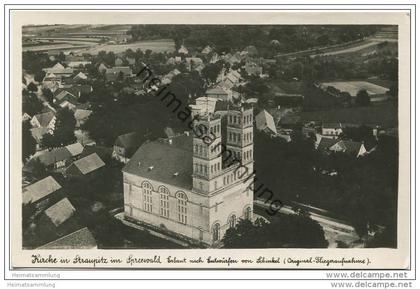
58 220
332 130
126 145
75 149
41 193
183 50
59 70
113 73
80 76
56 158
207 50
349 147
45 119
38 133
80 239
265 122
218 92
85 166
328 145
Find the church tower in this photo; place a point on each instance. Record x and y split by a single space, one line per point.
240 134
207 160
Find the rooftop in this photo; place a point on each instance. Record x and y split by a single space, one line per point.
167 158
39 190
80 239
60 212
89 163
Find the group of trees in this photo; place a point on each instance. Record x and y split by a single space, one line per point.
286 231
267 38
63 133
364 191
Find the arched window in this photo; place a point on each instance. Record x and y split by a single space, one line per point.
216 232
147 196
232 221
164 201
182 207
248 213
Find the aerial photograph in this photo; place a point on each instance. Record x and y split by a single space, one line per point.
158 136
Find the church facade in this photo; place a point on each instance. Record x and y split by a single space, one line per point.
189 187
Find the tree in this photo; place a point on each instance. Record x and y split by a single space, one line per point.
211 71
47 93
39 75
292 231
28 142
362 98
63 132
39 170
32 87
31 104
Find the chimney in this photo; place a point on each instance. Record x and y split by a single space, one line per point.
170 141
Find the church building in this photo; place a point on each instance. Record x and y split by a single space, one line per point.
191 188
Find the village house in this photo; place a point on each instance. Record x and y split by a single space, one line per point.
252 68
126 145
192 63
78 64
59 70
182 186
265 122
45 119
168 77
80 77
38 133
39 195
55 159
113 73
349 147
331 130
183 50
75 149
80 239
85 166
218 92
81 116
58 220
207 50
51 81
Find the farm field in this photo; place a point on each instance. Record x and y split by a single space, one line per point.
384 114
352 48
353 87
57 46
156 46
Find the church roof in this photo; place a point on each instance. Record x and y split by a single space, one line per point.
160 160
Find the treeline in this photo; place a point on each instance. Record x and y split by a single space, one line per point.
267 38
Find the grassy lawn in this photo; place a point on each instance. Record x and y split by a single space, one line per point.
384 114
